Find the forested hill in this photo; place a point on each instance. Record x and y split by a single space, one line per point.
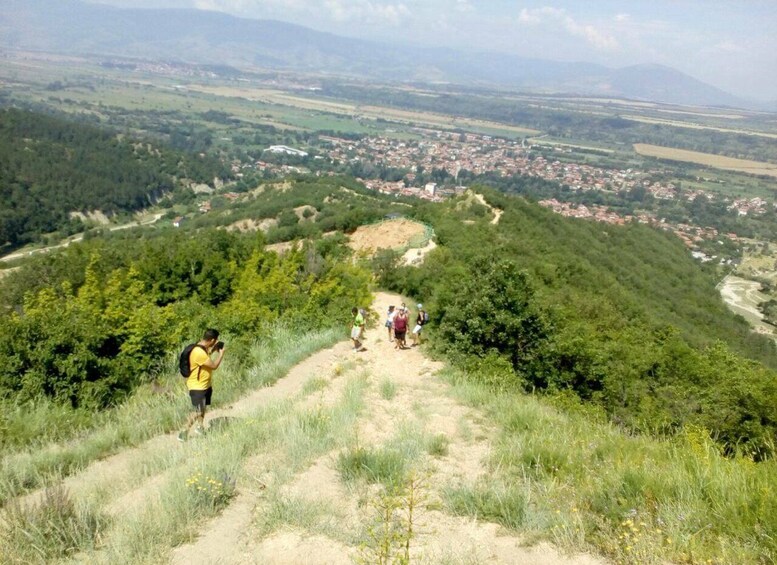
50 167
621 317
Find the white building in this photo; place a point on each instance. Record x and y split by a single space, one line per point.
287 150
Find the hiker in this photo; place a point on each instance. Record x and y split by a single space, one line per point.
357 329
420 321
200 376
400 328
390 322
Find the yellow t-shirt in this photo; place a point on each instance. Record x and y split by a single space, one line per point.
199 378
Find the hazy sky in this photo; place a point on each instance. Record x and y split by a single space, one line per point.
729 44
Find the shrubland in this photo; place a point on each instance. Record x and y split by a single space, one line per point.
87 336
620 317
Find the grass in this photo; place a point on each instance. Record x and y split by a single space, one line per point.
148 414
437 445
580 482
277 441
315 516
388 389
504 504
53 528
385 466
316 384
391 464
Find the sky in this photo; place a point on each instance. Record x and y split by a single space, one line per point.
729 44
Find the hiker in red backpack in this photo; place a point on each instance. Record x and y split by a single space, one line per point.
201 368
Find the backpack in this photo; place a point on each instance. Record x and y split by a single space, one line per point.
183 361
426 317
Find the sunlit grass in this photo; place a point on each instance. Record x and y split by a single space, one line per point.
583 483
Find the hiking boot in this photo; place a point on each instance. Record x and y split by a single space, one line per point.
182 436
199 430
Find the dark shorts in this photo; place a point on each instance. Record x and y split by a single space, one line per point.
399 334
201 398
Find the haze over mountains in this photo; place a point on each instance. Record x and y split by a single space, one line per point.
203 37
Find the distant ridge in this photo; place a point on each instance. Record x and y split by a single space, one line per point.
204 37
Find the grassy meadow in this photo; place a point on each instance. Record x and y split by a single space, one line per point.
561 472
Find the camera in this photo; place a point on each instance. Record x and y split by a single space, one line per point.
219 346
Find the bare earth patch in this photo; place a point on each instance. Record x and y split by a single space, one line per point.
391 234
251 225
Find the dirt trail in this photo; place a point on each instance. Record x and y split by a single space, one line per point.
421 402
496 211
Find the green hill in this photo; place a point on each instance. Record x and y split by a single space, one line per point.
51 167
620 316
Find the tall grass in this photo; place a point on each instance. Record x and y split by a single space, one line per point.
53 528
582 482
288 438
150 412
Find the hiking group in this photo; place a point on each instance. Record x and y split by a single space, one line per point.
397 323
196 364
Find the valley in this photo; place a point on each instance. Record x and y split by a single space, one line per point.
582 393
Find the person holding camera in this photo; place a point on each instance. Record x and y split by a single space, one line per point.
199 381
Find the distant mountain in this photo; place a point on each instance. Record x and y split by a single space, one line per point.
203 37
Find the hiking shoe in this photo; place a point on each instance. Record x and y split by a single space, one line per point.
199 431
182 436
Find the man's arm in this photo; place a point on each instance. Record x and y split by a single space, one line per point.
211 364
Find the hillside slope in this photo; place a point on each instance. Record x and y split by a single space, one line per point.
327 465
303 466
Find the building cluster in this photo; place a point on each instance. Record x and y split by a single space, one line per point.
480 154
689 234
745 206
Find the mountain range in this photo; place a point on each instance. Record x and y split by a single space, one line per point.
206 37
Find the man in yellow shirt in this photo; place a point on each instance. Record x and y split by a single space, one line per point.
200 377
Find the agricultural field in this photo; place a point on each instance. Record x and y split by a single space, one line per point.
707 159
429 119
685 124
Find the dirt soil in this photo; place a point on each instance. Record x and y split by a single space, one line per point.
391 234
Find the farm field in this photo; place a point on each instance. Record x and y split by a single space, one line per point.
707 159
691 125
402 116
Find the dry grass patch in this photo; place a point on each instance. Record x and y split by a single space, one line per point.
707 159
